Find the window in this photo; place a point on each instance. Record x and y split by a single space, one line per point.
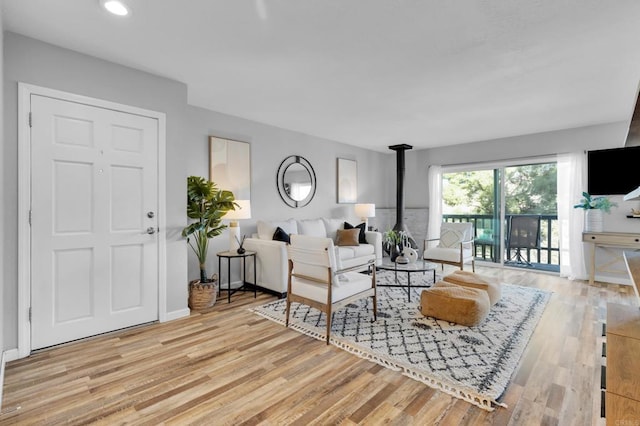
490 195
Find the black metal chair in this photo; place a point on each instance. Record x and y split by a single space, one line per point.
523 234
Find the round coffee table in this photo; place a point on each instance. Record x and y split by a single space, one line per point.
419 266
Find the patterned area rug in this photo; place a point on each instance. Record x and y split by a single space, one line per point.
471 363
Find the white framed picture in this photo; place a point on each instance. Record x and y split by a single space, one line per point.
230 166
347 181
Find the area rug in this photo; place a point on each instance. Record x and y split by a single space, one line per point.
471 363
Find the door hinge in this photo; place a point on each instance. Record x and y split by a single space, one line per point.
29 217
30 122
30 314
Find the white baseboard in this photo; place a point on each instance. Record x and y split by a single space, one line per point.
5 357
11 355
2 362
177 314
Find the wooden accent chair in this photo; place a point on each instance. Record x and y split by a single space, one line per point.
455 245
316 279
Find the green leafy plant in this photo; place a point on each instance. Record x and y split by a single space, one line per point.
206 204
588 202
395 238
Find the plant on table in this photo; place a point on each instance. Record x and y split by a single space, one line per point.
588 202
394 240
395 237
206 205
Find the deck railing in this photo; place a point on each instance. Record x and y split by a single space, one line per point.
487 244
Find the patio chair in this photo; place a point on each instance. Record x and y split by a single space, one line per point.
316 279
523 234
455 245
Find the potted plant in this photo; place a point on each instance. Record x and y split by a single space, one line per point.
393 242
594 207
206 205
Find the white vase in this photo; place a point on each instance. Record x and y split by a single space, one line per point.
593 220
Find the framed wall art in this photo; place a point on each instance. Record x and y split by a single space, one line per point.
347 181
230 166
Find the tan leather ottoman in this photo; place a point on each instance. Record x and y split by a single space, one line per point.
473 280
454 303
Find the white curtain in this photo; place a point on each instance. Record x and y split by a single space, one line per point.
435 201
572 182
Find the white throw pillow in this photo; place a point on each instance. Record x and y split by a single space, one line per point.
452 234
312 228
267 229
332 226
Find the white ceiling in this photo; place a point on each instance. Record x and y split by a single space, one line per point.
372 73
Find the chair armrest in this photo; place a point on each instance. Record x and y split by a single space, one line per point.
467 243
427 241
356 267
471 241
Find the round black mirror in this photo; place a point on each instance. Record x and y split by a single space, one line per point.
296 181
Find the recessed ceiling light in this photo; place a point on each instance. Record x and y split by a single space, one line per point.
116 7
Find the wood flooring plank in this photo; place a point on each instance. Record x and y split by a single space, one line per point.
419 401
372 403
229 366
322 393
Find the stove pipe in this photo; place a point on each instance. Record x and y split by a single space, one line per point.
400 226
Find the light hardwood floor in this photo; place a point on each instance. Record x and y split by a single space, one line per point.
229 366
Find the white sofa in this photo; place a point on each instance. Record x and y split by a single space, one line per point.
271 255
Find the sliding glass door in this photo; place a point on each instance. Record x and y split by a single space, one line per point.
513 208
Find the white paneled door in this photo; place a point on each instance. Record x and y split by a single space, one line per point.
94 204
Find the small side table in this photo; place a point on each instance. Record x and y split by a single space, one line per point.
234 255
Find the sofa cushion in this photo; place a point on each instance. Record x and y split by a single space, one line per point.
344 253
281 235
447 254
267 229
351 252
362 237
332 226
338 264
351 283
347 237
312 228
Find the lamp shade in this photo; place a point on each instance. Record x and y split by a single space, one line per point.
243 212
365 210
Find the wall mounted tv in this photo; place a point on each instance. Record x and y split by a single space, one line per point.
613 171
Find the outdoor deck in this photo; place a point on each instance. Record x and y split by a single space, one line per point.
487 242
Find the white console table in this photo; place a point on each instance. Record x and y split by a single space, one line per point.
608 239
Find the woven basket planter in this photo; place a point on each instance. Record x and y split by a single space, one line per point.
203 296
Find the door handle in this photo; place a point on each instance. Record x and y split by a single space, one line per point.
151 230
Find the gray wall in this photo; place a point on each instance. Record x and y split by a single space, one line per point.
562 141
31 61
269 146
34 62
38 63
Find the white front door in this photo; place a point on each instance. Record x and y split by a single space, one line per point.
94 206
